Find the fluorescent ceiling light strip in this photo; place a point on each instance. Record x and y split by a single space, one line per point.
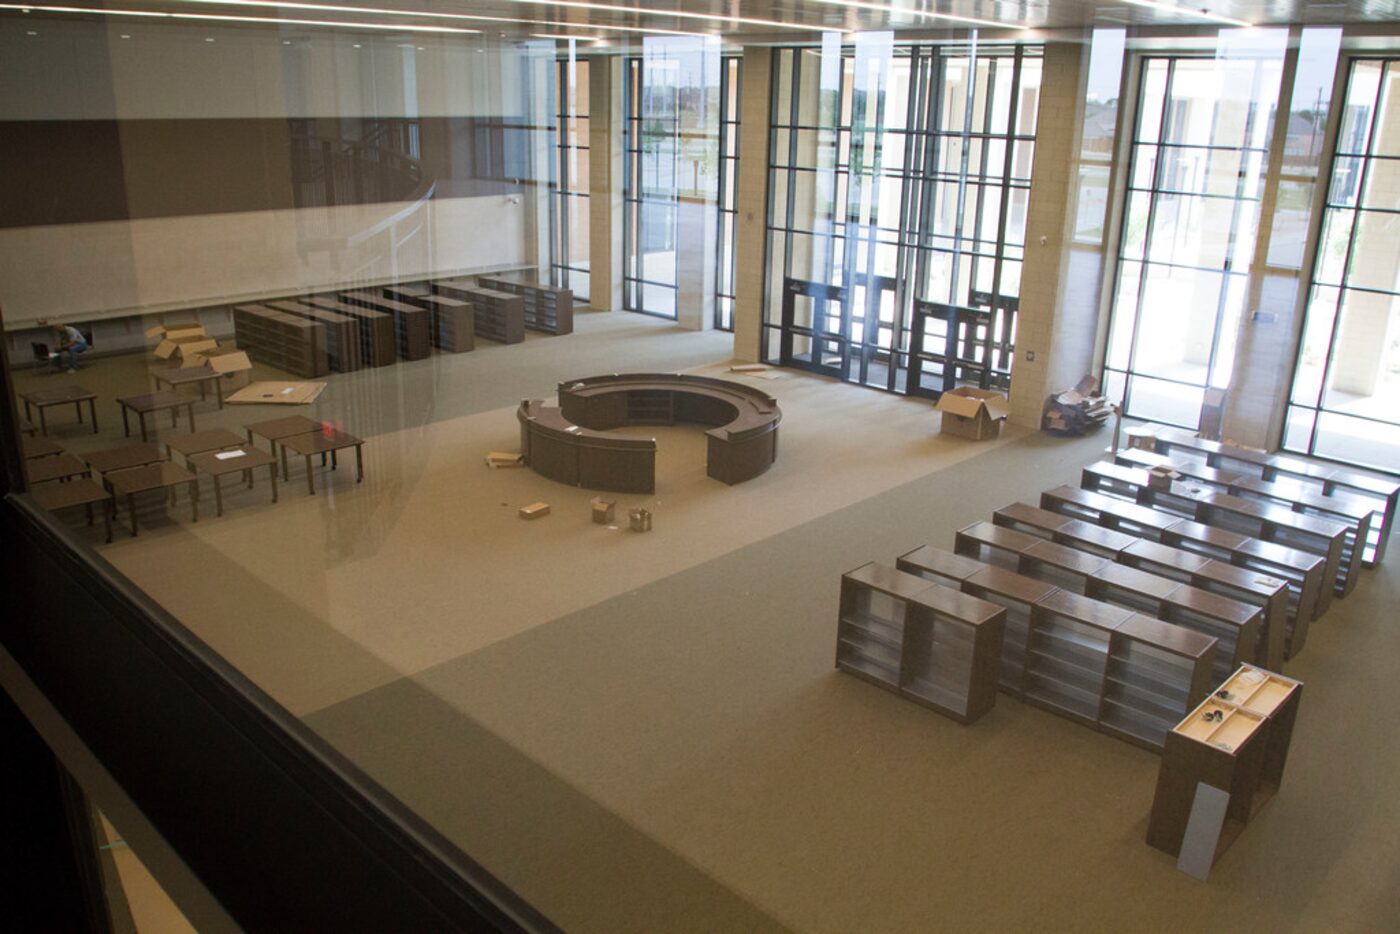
214 17
426 14
676 14
927 14
557 36
1175 10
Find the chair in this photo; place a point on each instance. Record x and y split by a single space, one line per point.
43 355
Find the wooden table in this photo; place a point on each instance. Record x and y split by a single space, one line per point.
41 399
27 428
323 443
85 493
277 429
39 447
212 439
162 476
175 377
124 458
59 467
244 458
149 402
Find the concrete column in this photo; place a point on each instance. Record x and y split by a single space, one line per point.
1062 278
605 182
751 234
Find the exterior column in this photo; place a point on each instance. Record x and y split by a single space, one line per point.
1063 275
605 182
751 234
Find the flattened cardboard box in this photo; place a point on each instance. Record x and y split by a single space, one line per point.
270 393
973 413
534 510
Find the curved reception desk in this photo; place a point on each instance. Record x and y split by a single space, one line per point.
574 443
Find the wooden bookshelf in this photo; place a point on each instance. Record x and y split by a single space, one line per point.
546 308
412 325
1235 741
454 327
342 333
926 642
291 344
499 316
376 328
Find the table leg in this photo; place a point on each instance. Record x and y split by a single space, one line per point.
219 390
131 508
272 472
92 411
310 477
248 476
87 507
126 423
28 415
108 508
43 420
275 447
218 497
78 408
194 498
190 408
203 393
359 462
335 461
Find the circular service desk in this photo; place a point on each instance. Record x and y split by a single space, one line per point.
573 444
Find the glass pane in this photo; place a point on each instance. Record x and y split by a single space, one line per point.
1159 401
1317 339
1358 441
1373 251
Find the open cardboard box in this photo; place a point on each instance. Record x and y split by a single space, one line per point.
969 412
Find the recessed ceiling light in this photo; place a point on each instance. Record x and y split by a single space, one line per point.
675 14
427 14
208 39
927 14
218 18
357 45
1174 10
30 32
286 41
126 35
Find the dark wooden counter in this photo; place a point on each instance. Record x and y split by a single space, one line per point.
574 443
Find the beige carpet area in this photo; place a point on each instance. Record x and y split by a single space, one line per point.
646 732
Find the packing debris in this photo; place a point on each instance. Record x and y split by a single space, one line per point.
534 510
1076 411
498 459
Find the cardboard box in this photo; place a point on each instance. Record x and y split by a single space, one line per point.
534 510
1212 414
497 459
271 393
1161 477
1142 437
973 413
639 520
603 510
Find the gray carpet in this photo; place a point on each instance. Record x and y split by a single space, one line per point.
699 721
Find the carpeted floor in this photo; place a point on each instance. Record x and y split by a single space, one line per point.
647 733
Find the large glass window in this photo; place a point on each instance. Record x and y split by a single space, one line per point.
569 207
1345 401
1198 160
728 190
899 184
651 151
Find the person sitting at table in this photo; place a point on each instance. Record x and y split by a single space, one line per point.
71 342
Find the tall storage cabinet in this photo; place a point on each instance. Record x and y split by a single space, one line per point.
926 642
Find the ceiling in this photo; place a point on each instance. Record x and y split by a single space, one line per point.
753 20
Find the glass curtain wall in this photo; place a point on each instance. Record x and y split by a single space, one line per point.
1199 155
651 150
1345 401
728 190
898 174
569 206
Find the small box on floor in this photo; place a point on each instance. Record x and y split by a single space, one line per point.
603 511
495 459
534 510
639 520
969 412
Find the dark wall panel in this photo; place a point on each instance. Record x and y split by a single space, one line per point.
85 171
